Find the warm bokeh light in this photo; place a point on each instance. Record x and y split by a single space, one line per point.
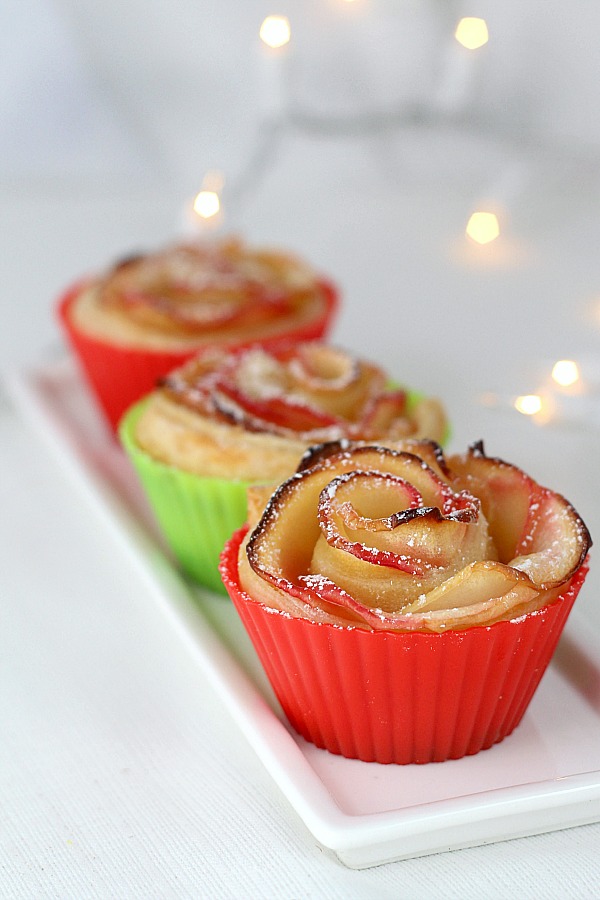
275 31
472 33
565 372
529 404
207 204
483 227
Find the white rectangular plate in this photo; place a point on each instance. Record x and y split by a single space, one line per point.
544 777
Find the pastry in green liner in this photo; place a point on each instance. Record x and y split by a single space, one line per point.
196 515
225 422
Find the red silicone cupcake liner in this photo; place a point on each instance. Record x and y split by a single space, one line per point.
401 697
119 376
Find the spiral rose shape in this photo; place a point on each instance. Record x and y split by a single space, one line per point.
404 539
309 392
195 289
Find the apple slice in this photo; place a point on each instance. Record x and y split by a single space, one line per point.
535 530
556 541
381 412
280 553
506 495
372 537
200 289
426 451
382 518
277 415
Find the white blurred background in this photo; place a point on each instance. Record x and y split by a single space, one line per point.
166 90
365 145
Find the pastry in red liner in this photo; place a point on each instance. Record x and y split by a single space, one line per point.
226 421
149 313
405 606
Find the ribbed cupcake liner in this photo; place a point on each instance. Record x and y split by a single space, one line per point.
401 697
116 375
196 515
119 376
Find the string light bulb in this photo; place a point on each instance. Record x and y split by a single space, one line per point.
529 404
483 227
565 372
206 204
472 32
275 31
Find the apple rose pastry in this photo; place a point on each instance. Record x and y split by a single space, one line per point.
253 413
378 581
238 419
151 312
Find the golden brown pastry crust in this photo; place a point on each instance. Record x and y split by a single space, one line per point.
251 415
193 295
401 540
177 436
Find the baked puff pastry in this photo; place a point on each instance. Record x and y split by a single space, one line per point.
149 313
197 294
251 415
404 539
405 605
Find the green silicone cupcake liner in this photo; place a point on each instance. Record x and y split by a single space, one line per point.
196 515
